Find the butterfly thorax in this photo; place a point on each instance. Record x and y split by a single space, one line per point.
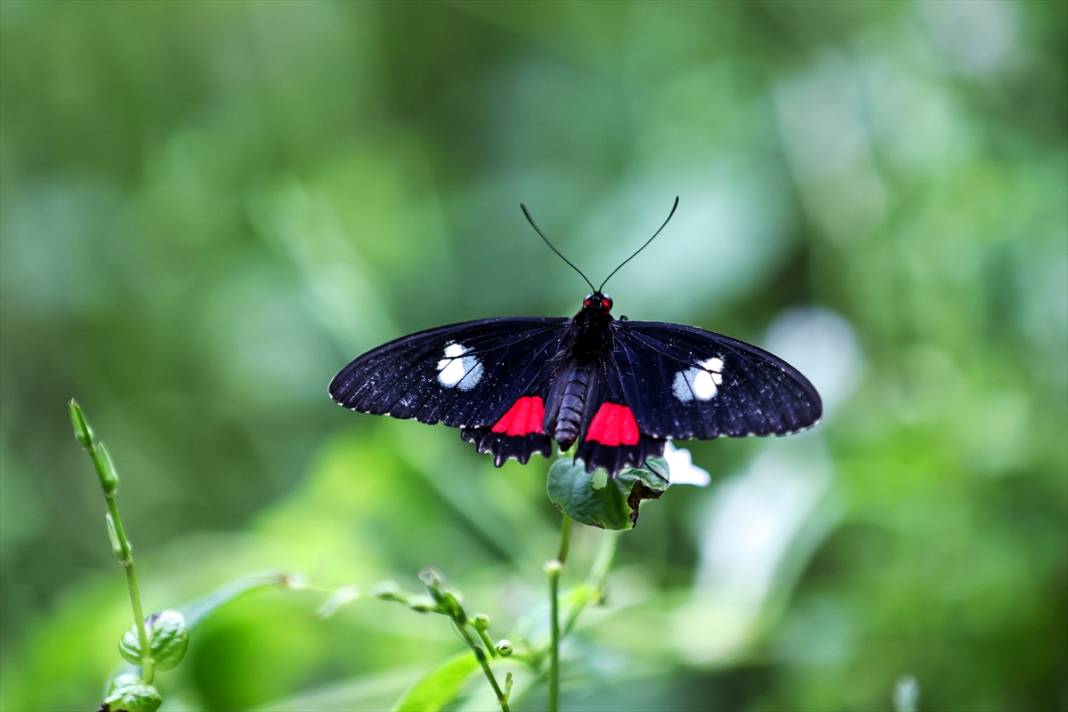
575 384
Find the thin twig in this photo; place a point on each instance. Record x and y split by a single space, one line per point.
483 660
447 603
120 543
554 568
597 578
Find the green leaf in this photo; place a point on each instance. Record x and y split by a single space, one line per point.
440 687
199 609
613 505
366 692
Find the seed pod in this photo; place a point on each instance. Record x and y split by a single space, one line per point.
168 640
129 694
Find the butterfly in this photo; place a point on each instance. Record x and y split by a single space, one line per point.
618 388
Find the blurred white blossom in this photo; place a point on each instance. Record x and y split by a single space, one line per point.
681 469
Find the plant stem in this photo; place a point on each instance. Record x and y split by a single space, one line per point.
565 540
554 569
554 646
120 543
484 636
447 603
598 575
483 660
126 559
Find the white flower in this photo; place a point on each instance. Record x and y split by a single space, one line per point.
681 469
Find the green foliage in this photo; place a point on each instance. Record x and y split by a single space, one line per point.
591 498
440 686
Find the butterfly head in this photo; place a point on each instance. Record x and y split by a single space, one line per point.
597 302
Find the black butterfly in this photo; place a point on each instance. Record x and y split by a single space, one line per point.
618 388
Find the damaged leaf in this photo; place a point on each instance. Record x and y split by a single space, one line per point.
611 505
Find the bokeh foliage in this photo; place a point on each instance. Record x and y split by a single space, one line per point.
208 207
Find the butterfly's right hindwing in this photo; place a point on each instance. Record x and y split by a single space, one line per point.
465 374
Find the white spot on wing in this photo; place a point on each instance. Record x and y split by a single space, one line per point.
455 370
699 382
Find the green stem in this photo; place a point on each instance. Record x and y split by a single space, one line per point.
483 660
554 569
487 641
597 578
554 645
565 540
120 543
126 559
447 603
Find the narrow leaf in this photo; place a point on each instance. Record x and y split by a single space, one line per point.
439 687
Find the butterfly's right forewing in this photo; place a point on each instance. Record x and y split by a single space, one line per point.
685 382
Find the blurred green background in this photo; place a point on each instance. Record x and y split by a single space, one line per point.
208 208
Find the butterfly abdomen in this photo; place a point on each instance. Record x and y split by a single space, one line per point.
571 392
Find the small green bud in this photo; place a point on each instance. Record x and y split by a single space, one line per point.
123 680
388 591
553 568
109 477
113 536
424 604
481 622
451 603
82 432
435 585
504 647
448 602
168 640
129 694
432 580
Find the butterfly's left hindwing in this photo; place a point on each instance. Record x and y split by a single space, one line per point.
684 382
463 375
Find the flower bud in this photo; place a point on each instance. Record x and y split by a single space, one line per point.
113 536
432 579
388 591
168 640
504 647
423 604
553 568
82 432
451 603
481 622
105 469
129 694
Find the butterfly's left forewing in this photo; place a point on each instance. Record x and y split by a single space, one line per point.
684 382
463 375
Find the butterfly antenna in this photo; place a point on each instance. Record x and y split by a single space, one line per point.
675 205
558 253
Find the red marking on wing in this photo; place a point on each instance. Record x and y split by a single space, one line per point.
613 425
523 418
